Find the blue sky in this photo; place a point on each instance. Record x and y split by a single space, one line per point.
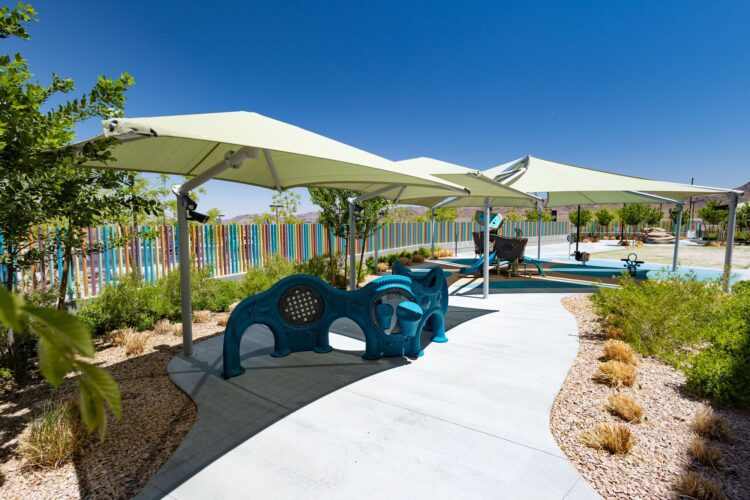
657 89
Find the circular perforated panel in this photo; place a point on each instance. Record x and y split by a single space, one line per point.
393 298
301 305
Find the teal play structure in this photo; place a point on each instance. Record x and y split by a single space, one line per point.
430 290
495 219
299 310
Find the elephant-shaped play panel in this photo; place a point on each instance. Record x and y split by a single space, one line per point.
430 289
300 309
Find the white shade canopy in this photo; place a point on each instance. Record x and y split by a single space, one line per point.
571 185
479 185
283 156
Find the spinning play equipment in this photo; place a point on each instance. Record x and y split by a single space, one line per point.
430 289
300 309
632 263
495 219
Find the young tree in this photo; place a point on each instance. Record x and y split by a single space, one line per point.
586 216
334 213
446 214
512 215
632 215
712 214
532 215
652 215
603 218
685 217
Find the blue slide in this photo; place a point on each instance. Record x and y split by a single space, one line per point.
477 266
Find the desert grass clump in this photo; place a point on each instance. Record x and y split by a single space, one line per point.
202 316
698 487
53 437
707 423
615 374
625 407
382 267
615 438
705 453
615 332
619 351
117 337
222 320
163 327
135 343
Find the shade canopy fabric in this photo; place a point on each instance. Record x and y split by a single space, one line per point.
287 156
479 185
571 185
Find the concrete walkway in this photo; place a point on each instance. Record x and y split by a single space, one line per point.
470 419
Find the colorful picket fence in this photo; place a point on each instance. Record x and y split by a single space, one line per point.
108 253
616 227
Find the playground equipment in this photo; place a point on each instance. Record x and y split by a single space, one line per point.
495 219
506 252
300 309
430 289
632 263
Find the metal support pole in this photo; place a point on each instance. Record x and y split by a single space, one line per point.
352 247
578 228
486 266
731 223
539 235
231 160
678 231
432 234
187 307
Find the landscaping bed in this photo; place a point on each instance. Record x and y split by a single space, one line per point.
156 417
661 456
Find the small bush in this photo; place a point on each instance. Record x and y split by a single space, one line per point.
201 316
417 258
404 260
699 488
619 351
117 337
53 437
223 320
624 407
424 252
707 423
615 374
135 343
382 267
660 316
615 438
318 266
705 453
722 370
442 252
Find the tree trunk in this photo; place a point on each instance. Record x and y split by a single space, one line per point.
362 253
63 290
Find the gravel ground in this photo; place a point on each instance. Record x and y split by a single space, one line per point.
661 455
156 417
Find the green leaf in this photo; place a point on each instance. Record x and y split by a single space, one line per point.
10 309
92 409
102 382
52 364
69 328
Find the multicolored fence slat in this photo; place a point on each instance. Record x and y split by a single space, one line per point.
108 253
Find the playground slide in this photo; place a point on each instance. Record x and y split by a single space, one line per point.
477 266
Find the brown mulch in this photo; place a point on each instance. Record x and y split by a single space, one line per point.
661 455
156 418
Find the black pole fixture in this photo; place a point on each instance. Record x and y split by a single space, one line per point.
578 229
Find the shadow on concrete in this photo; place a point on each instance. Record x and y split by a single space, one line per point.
232 411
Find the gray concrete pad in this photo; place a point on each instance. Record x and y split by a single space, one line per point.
470 419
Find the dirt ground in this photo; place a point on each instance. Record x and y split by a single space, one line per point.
693 255
156 418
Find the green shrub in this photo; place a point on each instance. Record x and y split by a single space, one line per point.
319 266
370 264
722 370
661 316
130 303
741 288
423 252
259 279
